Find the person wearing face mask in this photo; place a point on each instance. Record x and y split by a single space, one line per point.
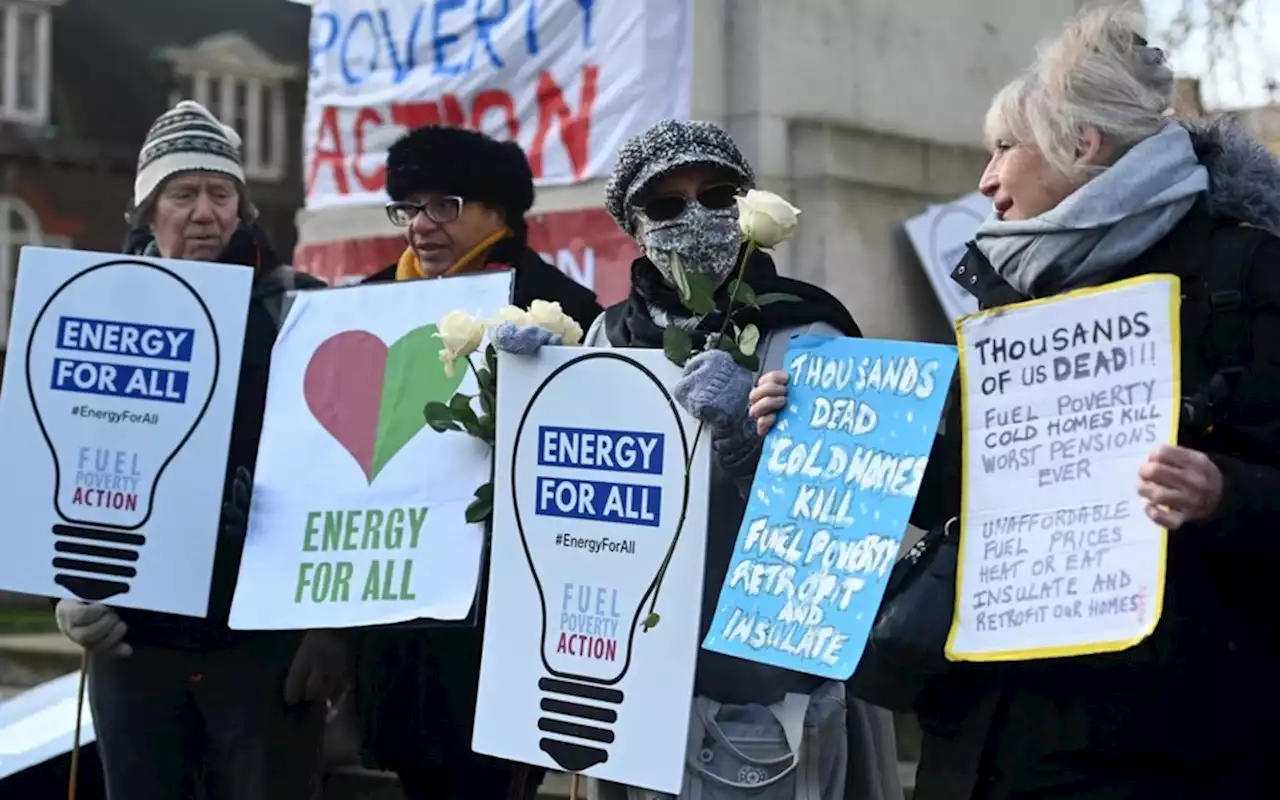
460 197
184 707
674 190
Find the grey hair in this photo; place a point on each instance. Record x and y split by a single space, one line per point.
141 215
1099 73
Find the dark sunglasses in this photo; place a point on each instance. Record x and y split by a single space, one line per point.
438 209
670 206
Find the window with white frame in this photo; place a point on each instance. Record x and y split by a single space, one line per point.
256 109
19 226
25 53
244 86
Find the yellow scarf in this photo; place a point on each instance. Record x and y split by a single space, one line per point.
408 268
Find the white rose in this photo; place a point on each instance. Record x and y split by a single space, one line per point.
461 334
766 219
550 316
510 314
572 334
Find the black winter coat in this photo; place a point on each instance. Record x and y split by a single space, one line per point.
416 686
1191 711
272 282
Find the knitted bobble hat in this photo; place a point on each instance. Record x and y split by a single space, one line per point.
186 138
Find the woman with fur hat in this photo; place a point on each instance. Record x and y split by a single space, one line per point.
674 190
461 198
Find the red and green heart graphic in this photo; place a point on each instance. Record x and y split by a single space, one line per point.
370 397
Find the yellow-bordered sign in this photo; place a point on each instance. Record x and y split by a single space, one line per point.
1172 286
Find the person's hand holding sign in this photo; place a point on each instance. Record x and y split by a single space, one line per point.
767 399
1180 485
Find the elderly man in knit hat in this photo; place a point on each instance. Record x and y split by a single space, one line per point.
460 197
179 701
674 190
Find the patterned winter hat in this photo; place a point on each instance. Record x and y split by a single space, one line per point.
185 138
667 146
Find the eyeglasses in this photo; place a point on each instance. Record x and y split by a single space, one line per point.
438 209
668 207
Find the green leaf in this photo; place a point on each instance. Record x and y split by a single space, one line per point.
768 298
464 415
751 362
481 508
440 417
485 378
486 402
679 278
727 344
677 345
651 621
702 294
488 428
741 292
491 359
749 339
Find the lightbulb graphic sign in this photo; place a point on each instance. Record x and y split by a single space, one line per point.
124 386
597 532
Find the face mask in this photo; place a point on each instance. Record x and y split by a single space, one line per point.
707 241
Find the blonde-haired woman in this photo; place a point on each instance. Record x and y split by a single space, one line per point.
1093 181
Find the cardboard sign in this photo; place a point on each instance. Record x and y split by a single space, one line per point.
600 522
119 391
939 236
831 501
358 514
1064 399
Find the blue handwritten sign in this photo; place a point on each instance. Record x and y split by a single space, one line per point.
830 503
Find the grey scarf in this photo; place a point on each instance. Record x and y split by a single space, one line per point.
1104 224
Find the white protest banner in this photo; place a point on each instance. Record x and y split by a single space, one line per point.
568 80
1064 398
597 534
119 389
939 236
358 508
40 724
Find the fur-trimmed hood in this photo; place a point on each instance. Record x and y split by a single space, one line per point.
1244 176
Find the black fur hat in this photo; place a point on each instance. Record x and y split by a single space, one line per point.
456 161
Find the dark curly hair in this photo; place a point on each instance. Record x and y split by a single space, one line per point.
457 161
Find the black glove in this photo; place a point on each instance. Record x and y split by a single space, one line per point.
235 512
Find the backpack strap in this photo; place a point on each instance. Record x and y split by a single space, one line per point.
1228 343
1225 339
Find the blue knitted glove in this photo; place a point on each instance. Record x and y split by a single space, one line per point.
522 340
715 389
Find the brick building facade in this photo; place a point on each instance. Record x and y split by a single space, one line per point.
82 80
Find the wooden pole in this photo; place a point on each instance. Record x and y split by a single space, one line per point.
75 743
